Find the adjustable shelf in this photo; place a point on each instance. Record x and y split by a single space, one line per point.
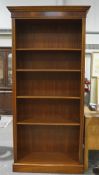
48 76
47 97
48 122
47 70
48 49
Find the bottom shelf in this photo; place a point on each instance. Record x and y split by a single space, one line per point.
48 158
48 162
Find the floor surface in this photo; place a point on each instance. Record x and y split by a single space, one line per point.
6 154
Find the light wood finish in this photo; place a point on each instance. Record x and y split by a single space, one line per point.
48 76
91 133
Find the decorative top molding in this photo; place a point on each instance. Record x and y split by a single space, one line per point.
48 11
48 8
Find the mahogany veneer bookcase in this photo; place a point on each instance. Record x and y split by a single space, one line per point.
48 88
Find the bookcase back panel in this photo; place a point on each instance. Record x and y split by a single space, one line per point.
48 110
48 139
48 84
48 60
48 33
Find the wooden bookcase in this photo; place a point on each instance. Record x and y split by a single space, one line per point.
48 88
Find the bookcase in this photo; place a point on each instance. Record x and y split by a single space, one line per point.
48 88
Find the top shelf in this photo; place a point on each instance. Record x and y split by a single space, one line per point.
48 70
52 49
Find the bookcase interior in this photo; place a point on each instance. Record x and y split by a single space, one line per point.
65 60
48 111
50 141
48 84
50 33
